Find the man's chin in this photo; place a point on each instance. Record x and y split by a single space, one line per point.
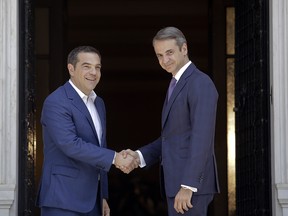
170 71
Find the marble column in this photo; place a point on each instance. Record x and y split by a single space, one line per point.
8 106
279 104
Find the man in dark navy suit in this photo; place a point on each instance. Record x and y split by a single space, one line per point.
186 145
76 159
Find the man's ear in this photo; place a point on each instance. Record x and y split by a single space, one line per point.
70 69
184 48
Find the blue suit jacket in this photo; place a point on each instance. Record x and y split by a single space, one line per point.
186 145
73 158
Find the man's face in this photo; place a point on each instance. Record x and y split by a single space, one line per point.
170 56
87 72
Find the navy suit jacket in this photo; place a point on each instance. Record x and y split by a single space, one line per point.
73 158
186 144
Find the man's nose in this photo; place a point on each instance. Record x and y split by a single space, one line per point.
165 59
93 71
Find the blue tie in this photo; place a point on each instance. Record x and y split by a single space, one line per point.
171 87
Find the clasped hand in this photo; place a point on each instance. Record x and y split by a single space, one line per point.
127 160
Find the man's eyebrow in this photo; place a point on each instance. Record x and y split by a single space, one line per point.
168 50
87 63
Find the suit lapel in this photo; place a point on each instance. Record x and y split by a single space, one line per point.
179 86
79 104
168 104
101 114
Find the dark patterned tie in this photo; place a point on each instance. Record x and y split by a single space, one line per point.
171 87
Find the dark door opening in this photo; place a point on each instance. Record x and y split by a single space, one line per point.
133 85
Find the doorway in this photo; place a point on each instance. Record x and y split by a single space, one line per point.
132 85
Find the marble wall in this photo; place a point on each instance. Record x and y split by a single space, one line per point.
279 104
8 106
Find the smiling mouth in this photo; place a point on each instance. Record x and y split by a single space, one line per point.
90 79
168 66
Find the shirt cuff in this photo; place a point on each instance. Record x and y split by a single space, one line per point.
142 161
189 188
113 162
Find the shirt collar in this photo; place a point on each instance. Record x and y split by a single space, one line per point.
84 97
181 71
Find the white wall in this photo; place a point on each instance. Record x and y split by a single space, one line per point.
8 106
279 104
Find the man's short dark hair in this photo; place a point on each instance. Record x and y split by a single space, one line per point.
73 55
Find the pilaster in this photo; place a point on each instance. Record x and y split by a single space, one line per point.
279 103
8 106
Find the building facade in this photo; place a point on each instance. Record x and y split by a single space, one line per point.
10 67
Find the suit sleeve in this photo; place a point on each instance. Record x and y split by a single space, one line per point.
203 103
152 152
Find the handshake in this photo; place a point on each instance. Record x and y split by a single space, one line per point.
127 160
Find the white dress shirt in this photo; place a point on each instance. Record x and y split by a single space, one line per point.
89 102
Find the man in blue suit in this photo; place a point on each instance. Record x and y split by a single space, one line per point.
76 159
186 145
